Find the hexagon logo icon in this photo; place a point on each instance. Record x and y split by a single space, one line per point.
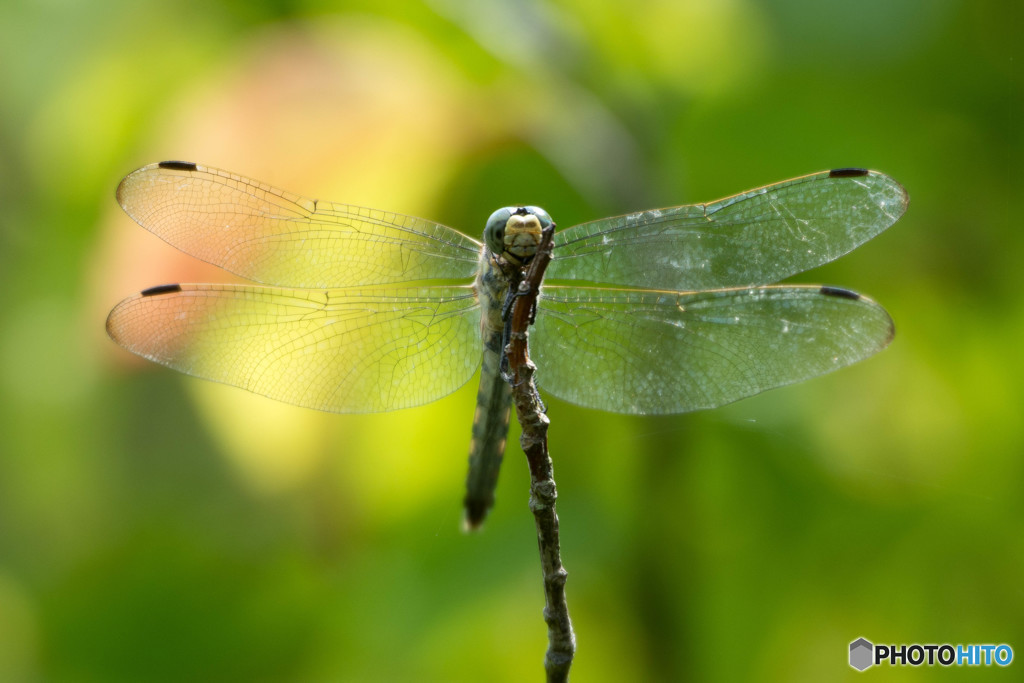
861 654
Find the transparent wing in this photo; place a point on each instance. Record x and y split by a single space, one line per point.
276 237
347 351
648 352
754 238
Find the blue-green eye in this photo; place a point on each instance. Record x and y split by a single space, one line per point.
494 232
541 214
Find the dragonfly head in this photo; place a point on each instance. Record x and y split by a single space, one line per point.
514 231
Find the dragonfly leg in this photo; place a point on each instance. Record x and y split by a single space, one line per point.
506 306
504 367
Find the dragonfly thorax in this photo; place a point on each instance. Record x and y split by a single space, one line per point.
514 232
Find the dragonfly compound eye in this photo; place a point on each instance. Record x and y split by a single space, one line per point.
541 214
494 232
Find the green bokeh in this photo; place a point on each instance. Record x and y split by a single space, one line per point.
748 543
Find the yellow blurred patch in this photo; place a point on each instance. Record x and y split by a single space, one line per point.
274 447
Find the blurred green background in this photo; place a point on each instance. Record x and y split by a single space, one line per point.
155 527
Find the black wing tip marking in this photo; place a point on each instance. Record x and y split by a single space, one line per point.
840 292
161 289
848 172
177 165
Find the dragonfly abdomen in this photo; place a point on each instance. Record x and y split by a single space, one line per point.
490 431
493 400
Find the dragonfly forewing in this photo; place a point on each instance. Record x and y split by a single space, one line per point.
276 237
648 352
753 238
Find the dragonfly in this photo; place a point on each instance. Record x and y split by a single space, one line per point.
360 310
